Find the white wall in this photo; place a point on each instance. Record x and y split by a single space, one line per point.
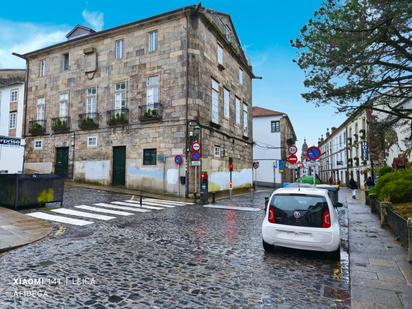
263 137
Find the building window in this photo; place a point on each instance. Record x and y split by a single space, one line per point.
245 120
120 96
65 64
275 126
219 54
149 156
92 141
152 92
42 67
38 144
237 107
228 33
12 120
91 100
64 105
226 100
14 95
215 101
217 151
40 108
118 46
241 76
152 41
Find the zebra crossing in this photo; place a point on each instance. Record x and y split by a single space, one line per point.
82 215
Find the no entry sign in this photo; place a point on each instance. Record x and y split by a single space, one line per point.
293 159
313 153
196 146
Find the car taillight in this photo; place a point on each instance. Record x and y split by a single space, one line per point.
271 217
326 218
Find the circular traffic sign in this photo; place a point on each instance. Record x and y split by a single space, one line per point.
196 146
292 159
292 149
195 156
313 153
178 159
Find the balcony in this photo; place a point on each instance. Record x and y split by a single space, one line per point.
61 124
356 161
117 117
89 121
151 112
37 127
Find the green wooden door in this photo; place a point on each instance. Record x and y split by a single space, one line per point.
119 166
62 161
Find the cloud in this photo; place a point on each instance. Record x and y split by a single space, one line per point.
21 38
94 19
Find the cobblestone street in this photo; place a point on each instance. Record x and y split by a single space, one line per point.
188 256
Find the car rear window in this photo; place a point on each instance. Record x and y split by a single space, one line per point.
299 209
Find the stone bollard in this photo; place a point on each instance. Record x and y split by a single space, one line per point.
409 240
384 211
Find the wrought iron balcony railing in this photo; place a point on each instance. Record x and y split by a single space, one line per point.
150 112
61 124
118 117
37 127
89 121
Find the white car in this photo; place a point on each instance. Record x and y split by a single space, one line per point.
302 218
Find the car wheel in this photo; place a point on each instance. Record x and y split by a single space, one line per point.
335 255
268 247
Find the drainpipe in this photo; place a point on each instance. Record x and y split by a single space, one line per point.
23 135
187 106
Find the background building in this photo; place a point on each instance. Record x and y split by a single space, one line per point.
271 132
116 106
11 120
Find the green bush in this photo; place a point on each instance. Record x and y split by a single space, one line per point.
384 170
395 186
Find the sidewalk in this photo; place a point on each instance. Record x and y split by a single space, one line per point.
381 277
17 229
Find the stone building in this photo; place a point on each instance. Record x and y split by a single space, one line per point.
11 120
272 133
115 107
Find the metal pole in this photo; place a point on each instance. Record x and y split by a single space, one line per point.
195 179
230 184
141 200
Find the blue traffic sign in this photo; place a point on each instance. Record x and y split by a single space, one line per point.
178 159
313 153
195 156
281 165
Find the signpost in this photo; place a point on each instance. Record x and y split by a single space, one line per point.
178 159
195 146
195 158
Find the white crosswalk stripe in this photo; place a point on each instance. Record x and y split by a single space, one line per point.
107 211
135 209
166 201
76 213
137 205
61 219
152 204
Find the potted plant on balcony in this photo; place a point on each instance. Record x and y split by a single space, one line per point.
362 133
88 123
60 125
36 129
116 119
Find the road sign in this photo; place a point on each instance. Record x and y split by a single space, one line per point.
255 165
293 166
281 166
195 156
195 163
178 159
293 159
313 153
364 151
195 146
292 149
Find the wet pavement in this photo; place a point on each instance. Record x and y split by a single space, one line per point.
181 257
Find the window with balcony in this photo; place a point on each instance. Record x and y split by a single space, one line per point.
38 126
215 101
237 110
89 120
62 123
120 96
153 41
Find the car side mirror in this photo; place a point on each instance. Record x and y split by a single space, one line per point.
338 205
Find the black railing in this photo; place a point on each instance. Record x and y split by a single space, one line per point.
118 117
399 226
61 124
150 112
37 127
89 121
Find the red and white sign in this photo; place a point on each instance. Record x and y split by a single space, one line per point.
292 149
293 159
196 146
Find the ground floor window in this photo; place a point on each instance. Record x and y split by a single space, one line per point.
92 141
38 144
149 156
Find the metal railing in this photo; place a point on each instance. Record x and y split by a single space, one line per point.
399 226
89 121
117 117
37 127
61 124
150 112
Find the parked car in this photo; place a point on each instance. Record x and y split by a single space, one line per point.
302 218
